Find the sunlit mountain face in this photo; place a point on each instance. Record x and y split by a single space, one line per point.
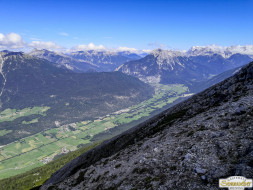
169 67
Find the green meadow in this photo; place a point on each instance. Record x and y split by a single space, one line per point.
12 114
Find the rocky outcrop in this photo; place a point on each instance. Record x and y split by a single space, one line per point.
189 146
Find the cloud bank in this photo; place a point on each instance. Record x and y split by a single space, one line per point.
11 41
127 49
90 46
14 41
44 45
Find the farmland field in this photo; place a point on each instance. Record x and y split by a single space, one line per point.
4 132
38 149
12 114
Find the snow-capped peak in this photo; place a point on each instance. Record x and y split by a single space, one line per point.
223 51
205 50
168 57
37 52
92 53
165 54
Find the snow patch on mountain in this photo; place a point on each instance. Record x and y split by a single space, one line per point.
167 57
224 51
1 72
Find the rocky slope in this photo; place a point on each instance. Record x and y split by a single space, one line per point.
200 86
189 146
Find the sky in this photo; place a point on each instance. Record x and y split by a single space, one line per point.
122 24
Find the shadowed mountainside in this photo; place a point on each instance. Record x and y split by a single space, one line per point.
27 82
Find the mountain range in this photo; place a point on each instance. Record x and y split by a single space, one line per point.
63 61
27 82
86 61
224 51
170 67
189 146
192 67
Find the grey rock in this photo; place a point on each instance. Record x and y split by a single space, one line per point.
203 177
200 170
239 110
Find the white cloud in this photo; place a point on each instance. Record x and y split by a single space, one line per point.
63 34
35 39
127 49
247 49
44 45
225 51
90 46
146 50
11 41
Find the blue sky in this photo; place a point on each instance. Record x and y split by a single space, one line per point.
140 24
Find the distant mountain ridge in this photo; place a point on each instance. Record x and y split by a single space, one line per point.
63 61
167 66
86 61
224 51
